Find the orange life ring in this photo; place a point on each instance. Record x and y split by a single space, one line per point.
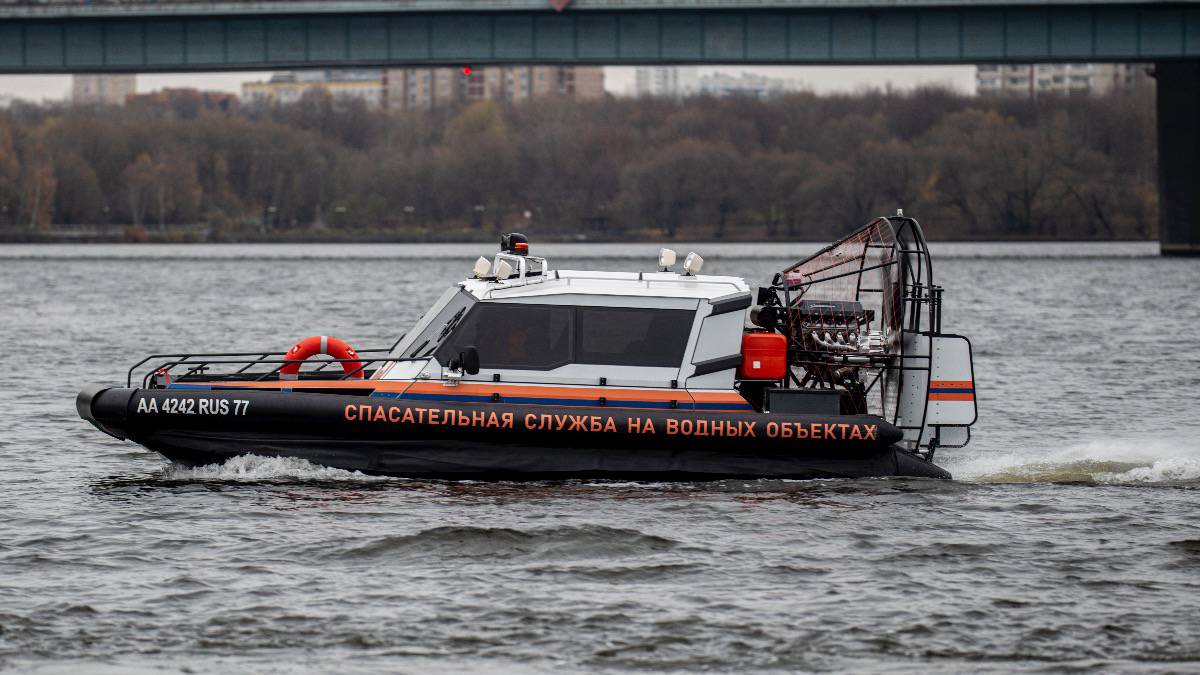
320 344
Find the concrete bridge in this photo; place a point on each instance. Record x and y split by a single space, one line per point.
63 36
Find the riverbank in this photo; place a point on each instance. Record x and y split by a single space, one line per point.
206 234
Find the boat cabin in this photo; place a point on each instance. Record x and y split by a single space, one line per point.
522 323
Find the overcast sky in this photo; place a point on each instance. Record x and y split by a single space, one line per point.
619 80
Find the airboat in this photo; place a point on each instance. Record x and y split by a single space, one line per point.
838 368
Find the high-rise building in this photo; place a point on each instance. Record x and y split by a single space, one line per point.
423 88
684 81
1070 79
582 82
744 84
102 89
343 85
666 81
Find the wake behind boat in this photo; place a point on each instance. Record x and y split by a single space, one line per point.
525 372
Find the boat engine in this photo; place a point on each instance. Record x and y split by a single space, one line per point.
838 327
862 321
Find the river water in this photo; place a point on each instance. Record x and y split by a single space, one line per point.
1069 539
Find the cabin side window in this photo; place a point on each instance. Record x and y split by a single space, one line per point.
631 336
524 337
543 337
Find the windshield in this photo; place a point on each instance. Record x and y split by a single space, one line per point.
432 331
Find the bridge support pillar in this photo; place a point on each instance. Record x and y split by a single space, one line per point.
1178 85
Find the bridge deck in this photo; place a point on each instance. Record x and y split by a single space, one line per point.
118 36
111 8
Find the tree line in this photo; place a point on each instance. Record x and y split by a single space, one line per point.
800 166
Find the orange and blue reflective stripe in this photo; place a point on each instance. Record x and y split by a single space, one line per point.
407 390
572 396
951 390
681 404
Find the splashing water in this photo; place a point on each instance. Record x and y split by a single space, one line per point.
253 468
1110 461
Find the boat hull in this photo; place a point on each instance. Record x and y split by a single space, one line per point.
495 441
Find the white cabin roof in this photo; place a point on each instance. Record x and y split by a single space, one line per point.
636 284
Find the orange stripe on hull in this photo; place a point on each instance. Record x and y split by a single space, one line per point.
547 391
735 401
952 384
583 393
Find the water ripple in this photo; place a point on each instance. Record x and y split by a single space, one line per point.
1068 543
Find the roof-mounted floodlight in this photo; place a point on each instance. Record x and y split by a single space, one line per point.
503 270
692 263
482 267
666 258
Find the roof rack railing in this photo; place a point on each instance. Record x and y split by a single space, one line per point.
199 369
200 362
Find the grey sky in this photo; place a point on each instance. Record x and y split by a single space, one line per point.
619 79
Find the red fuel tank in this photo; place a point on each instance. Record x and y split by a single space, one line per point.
764 357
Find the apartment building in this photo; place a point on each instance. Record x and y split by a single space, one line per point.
1065 79
424 88
343 85
102 89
